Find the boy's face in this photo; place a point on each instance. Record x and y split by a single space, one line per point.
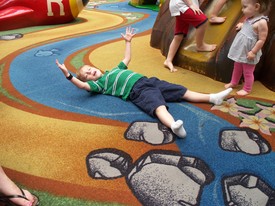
90 73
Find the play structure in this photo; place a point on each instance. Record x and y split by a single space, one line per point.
147 4
16 14
214 64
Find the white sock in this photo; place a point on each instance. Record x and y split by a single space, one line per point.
177 128
218 98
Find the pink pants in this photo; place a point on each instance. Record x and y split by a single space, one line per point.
247 70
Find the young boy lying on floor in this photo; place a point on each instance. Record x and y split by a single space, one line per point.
149 94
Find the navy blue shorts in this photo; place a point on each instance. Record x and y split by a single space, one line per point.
150 93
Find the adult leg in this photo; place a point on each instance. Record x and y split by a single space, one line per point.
8 187
168 120
248 72
215 98
201 45
214 19
236 75
173 48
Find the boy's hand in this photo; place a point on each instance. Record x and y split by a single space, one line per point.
129 33
196 9
62 67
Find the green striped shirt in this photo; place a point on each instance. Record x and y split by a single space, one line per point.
117 82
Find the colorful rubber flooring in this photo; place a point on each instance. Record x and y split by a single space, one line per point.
72 144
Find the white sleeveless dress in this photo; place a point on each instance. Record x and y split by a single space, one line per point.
244 41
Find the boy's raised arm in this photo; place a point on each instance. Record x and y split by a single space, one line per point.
129 33
80 84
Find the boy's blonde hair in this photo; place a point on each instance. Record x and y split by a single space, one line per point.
79 74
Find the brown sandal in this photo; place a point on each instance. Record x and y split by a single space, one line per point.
7 202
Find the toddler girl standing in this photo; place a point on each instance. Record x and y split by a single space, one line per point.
246 47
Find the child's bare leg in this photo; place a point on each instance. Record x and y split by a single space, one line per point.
166 118
173 48
201 45
216 98
214 19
